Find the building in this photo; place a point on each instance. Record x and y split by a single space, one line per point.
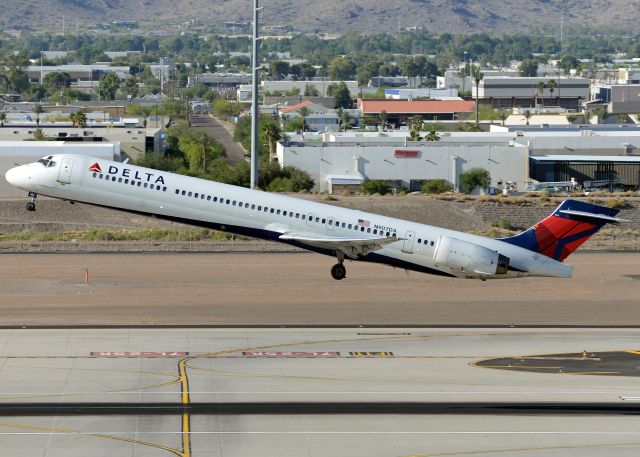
421 93
337 166
132 142
523 92
398 112
82 76
624 99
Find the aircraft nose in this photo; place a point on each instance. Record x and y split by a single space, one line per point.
16 176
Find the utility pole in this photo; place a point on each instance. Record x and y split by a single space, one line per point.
254 101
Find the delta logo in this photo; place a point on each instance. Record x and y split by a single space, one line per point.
129 173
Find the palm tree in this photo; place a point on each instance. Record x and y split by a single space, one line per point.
273 134
304 112
432 135
552 84
541 87
503 114
39 135
73 117
527 115
81 119
383 118
415 125
477 77
38 110
3 117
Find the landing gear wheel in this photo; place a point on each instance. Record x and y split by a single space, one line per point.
31 206
338 271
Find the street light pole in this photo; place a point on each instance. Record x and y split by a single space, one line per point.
254 100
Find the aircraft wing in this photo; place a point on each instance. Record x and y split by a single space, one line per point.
352 247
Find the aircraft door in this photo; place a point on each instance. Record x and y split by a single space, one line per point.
64 175
409 240
330 223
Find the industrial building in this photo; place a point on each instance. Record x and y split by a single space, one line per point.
510 92
514 158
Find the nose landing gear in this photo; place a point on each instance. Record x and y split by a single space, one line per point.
338 271
31 206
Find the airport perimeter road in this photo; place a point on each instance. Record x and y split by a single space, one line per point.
312 392
296 289
214 128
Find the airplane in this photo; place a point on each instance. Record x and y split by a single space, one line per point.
338 232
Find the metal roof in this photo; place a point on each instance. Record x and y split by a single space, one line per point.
586 158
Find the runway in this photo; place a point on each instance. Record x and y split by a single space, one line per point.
311 392
209 289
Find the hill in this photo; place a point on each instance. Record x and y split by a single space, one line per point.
366 16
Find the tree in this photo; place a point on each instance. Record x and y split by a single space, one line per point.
541 87
341 69
415 126
528 67
304 112
503 114
310 91
552 84
130 87
39 135
56 81
477 76
527 115
436 186
273 134
341 96
108 86
383 118
602 112
279 69
78 119
474 177
3 117
432 135
198 149
38 110
374 186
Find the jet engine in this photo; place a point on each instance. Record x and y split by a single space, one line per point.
470 259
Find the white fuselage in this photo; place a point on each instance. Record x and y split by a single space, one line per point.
260 214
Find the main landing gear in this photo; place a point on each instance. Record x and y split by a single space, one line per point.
31 206
338 271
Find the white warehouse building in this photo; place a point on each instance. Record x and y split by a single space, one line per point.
333 165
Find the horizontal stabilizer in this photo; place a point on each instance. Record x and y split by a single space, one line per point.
603 217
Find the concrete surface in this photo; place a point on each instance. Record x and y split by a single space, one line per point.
120 368
296 289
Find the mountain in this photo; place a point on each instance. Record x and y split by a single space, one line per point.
365 16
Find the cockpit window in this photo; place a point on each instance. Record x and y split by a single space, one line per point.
47 162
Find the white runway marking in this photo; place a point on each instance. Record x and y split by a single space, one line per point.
334 432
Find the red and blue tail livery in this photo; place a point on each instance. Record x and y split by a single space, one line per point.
561 233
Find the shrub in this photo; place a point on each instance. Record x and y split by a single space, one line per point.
374 186
436 186
615 203
504 223
475 177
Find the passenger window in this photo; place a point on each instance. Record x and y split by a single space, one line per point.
201 196
304 217
190 193
272 210
388 234
208 198
184 192
375 232
146 185
164 189
233 203
278 212
253 206
139 183
215 199
101 176
246 205
151 186
95 175
369 230
431 243
196 195
113 179
362 229
120 180
228 201
349 226
419 240
177 191
284 213
260 208
324 220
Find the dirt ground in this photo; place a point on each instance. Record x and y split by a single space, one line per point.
296 289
